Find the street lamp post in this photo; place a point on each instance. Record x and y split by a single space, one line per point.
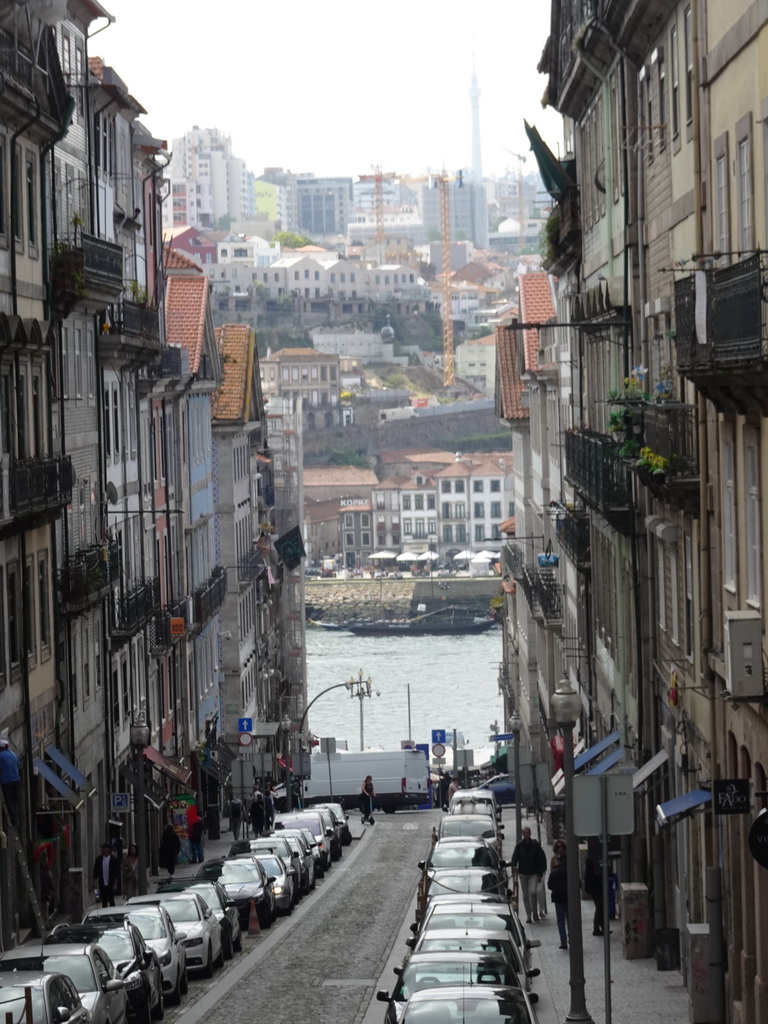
285 724
516 725
566 705
360 688
140 736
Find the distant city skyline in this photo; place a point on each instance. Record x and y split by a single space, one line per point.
298 98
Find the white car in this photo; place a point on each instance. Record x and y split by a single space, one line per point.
202 931
158 932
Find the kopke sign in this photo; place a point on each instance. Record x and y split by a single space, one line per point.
731 796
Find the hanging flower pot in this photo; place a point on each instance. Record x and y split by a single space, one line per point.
547 559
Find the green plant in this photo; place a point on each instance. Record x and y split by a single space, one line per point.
629 449
617 421
77 223
550 238
657 465
139 294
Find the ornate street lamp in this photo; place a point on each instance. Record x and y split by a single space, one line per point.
140 736
566 707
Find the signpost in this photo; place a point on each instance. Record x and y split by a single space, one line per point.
245 725
438 750
245 739
438 735
121 802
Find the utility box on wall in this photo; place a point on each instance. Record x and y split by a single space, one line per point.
635 921
744 654
700 1009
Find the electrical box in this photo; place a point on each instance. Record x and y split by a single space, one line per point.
744 655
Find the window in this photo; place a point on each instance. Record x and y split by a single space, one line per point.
478 486
2 187
107 422
445 486
407 527
744 171
752 514
29 602
479 510
418 502
366 540
688 624
495 510
459 487
447 535
31 183
78 363
480 533
674 603
431 502
461 534
349 521
350 540
420 532
365 520
16 199
688 66
495 486
729 515
460 510
722 239
12 603
406 503
90 368
446 510
662 82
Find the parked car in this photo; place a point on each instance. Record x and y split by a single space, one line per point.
478 826
222 906
314 822
285 886
93 974
332 822
493 1004
342 819
202 931
244 881
55 1000
136 963
480 798
465 880
301 842
159 934
435 970
501 787
279 846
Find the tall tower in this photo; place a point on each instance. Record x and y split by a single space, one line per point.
477 153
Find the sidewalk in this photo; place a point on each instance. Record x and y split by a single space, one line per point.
639 993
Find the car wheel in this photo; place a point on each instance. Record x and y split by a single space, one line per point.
227 946
219 961
388 810
159 1011
207 971
184 983
175 996
237 944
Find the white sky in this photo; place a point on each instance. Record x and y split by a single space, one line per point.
334 86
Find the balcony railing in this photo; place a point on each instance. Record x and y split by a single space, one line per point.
526 579
671 430
134 606
38 484
210 597
573 537
102 262
85 577
513 558
596 468
139 321
164 630
548 594
250 566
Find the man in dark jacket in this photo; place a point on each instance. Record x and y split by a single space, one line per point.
105 876
531 863
558 886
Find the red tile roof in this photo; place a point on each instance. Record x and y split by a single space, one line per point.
535 307
339 476
174 259
515 355
509 384
236 345
186 303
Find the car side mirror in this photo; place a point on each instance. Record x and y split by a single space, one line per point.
230 904
329 831
410 943
114 984
271 879
421 865
414 927
398 971
532 943
180 936
383 996
61 1014
533 973
149 956
207 912
533 996
295 853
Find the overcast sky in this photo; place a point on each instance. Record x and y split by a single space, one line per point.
335 86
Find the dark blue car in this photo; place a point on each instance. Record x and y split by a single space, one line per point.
501 787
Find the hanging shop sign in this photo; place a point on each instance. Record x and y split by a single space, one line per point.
758 838
731 796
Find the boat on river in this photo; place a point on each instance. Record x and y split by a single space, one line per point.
451 621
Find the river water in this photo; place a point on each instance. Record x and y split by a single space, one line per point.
453 684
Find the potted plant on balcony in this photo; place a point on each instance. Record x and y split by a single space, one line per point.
138 294
655 465
67 279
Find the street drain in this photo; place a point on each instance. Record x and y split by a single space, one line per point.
349 982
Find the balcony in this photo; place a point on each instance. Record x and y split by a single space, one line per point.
38 486
595 468
87 270
573 537
726 356
133 607
670 430
167 627
548 594
131 328
210 597
250 567
85 578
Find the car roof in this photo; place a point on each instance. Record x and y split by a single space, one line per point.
469 992
29 979
62 949
468 817
93 928
475 897
462 841
454 956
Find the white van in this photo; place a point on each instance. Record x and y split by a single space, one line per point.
399 778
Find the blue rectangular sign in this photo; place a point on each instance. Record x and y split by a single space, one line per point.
438 735
501 737
245 725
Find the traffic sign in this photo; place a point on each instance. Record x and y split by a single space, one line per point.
245 725
438 735
121 801
245 739
438 750
501 737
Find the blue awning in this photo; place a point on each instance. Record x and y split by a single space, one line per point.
673 809
69 769
649 768
596 750
607 762
58 783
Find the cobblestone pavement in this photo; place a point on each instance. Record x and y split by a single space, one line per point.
323 962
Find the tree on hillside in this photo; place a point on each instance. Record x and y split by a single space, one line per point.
290 240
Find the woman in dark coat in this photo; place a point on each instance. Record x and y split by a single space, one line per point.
558 886
169 850
593 886
257 812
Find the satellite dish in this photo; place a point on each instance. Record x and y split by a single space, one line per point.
111 493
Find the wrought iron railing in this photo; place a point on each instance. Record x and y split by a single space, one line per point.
548 594
570 215
134 606
84 576
139 320
250 566
526 579
573 14
513 558
210 597
671 430
593 464
573 537
37 484
102 260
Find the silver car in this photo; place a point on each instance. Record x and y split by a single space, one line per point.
202 931
54 998
299 843
285 884
93 974
159 933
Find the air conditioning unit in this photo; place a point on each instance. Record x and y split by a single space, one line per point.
744 655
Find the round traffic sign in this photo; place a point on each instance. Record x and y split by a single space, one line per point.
245 739
438 750
758 838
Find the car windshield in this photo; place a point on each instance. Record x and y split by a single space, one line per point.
271 865
239 872
419 976
464 881
507 1009
150 925
271 846
459 943
314 824
472 807
209 893
488 922
77 966
182 911
467 828
117 944
462 856
12 1001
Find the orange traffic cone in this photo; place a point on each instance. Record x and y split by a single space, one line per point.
254 928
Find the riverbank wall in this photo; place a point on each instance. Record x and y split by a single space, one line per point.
342 601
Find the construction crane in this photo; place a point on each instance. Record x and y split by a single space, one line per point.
378 179
443 182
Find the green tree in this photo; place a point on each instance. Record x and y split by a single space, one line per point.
290 240
224 223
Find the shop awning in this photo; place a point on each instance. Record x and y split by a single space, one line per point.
607 762
595 751
70 771
649 768
153 794
57 782
171 769
670 812
553 174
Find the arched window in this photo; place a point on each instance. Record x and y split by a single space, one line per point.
761 786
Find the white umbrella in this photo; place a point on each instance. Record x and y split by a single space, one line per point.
406 556
383 554
490 554
428 556
463 556
481 556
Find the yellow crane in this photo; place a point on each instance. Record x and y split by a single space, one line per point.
443 182
378 178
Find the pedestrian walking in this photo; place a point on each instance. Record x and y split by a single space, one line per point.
10 781
105 876
558 886
196 840
593 886
531 863
367 793
558 851
131 873
170 845
257 812
235 817
452 787
269 807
